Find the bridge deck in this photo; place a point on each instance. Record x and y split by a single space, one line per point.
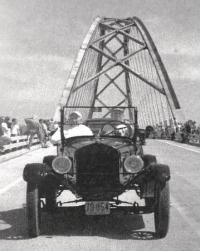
61 232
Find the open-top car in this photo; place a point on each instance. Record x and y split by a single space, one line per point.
97 169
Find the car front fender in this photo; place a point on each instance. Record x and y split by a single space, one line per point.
154 172
35 172
158 172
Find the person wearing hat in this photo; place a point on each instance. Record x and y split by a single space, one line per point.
5 128
75 128
4 136
117 114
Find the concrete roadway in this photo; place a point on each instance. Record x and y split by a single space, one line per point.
71 231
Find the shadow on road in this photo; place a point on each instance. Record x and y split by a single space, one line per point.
73 222
13 224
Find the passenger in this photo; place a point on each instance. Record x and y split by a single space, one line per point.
76 128
118 114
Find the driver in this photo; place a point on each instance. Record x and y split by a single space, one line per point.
121 129
76 128
117 114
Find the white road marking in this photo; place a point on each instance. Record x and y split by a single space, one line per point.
183 212
172 144
11 185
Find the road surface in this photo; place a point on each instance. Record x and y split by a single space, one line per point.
71 231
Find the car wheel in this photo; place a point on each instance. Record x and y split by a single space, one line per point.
149 202
48 160
33 209
51 200
161 213
50 195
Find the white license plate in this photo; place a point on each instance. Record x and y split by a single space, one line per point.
97 208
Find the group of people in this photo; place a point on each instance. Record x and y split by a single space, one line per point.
181 130
8 128
48 129
42 128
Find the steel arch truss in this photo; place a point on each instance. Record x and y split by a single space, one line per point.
118 64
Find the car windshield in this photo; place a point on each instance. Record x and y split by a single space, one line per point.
106 127
98 121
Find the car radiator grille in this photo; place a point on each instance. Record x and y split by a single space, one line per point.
97 168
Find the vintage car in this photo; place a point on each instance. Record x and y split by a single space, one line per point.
97 169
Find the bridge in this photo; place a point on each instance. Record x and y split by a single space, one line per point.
119 57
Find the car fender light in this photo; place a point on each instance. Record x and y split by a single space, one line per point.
133 164
61 164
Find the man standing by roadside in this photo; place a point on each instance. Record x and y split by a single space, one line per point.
15 131
35 128
6 130
43 133
4 133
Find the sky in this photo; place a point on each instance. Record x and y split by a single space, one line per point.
39 40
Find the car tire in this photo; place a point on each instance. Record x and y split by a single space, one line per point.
50 198
162 210
33 209
48 160
50 195
149 202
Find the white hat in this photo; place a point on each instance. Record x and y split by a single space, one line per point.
75 118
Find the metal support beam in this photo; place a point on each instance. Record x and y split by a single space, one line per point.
114 47
118 105
93 77
127 77
109 83
112 80
119 62
114 53
99 67
162 91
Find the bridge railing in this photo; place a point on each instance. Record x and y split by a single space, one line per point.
190 138
16 143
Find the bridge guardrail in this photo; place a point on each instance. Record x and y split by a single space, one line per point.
17 142
194 138
191 138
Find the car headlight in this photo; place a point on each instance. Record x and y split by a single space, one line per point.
61 164
133 164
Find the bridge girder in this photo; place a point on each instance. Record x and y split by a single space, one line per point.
120 54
